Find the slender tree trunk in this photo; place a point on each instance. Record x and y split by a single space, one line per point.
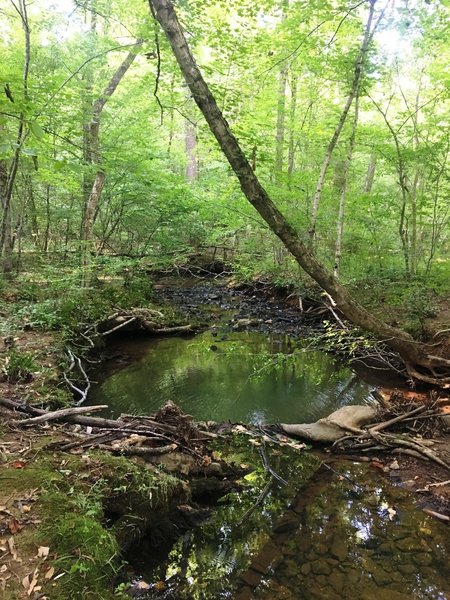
413 354
190 145
7 190
334 140
281 118
94 155
343 192
292 111
370 176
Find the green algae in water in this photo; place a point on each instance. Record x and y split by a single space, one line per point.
246 376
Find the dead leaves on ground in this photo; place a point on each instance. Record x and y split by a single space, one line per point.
14 516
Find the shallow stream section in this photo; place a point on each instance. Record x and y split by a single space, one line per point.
333 532
223 374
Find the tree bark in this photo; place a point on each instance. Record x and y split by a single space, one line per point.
370 173
7 189
281 112
414 355
343 192
292 111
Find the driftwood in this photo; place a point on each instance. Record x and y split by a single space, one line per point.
58 414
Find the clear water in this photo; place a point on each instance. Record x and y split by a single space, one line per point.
240 376
344 533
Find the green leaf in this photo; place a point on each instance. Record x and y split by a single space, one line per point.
37 131
29 152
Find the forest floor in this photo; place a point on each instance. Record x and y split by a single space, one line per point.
29 565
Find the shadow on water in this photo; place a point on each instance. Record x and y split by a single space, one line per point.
328 534
241 376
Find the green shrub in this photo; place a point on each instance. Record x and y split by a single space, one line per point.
19 366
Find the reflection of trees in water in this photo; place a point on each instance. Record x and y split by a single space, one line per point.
246 373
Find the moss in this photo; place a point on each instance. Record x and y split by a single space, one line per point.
75 497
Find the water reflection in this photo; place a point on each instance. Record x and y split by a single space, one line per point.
338 535
238 376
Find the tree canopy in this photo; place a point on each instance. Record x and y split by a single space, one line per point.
341 110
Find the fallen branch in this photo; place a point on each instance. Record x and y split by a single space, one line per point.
429 485
139 450
76 361
385 424
58 414
437 515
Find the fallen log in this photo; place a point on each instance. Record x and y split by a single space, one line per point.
58 414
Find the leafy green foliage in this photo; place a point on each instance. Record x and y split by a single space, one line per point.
18 366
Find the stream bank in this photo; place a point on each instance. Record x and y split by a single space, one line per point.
66 473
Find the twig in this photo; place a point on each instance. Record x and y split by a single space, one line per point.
429 485
385 424
75 360
257 503
124 324
437 515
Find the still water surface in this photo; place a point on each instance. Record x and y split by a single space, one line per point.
241 376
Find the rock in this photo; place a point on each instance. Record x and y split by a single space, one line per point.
250 577
305 569
269 557
339 549
381 578
321 567
287 522
334 426
337 581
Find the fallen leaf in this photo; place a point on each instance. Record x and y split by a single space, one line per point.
26 581
142 585
49 574
33 583
391 512
14 526
3 568
12 548
18 464
3 581
43 551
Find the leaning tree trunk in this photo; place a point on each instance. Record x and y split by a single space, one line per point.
414 355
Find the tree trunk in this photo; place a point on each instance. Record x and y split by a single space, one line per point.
190 145
334 140
292 111
281 110
415 355
370 174
7 189
94 156
343 192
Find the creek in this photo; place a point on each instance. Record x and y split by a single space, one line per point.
342 531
